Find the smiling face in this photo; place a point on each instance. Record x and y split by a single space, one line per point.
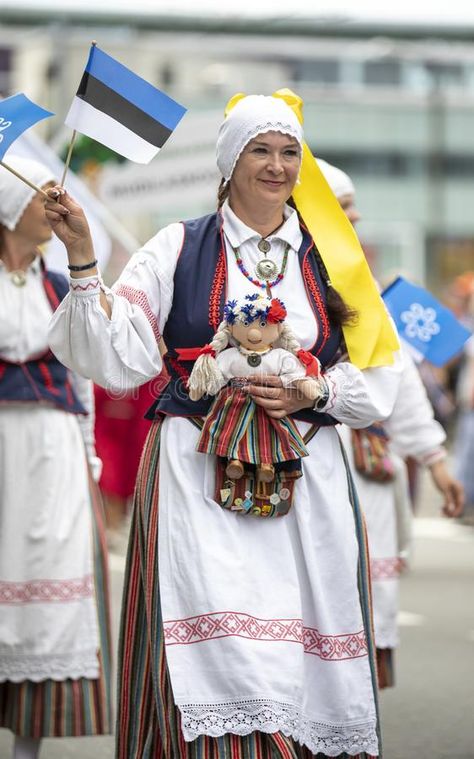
257 335
266 172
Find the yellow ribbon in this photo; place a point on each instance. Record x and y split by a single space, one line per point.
371 340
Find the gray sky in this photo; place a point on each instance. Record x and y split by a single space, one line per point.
435 12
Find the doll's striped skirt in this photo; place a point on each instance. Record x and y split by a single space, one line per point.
237 428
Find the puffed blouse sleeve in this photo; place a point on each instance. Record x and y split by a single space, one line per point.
360 397
121 352
412 428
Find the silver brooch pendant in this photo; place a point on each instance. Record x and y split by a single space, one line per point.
266 269
18 277
254 359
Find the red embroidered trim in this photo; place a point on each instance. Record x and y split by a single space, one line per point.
48 380
178 368
90 286
386 569
140 299
47 591
225 624
50 292
216 292
313 286
69 394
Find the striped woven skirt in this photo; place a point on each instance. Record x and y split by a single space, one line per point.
69 708
237 428
148 721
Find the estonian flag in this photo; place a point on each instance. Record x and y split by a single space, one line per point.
17 114
121 110
430 330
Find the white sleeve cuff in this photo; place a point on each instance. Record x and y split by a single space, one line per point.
84 286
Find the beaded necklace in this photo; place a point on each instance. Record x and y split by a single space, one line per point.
267 284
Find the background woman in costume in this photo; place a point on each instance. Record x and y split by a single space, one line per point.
412 431
241 636
54 622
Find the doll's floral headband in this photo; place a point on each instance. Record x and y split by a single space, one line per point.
253 307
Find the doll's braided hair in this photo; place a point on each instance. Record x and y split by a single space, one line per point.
207 378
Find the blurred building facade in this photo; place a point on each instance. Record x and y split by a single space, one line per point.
392 106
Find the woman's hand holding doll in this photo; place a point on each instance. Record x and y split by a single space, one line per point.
267 391
258 381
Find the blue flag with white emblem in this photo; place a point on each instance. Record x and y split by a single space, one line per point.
17 114
430 329
118 108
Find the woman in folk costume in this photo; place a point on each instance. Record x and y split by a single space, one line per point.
54 621
242 636
382 486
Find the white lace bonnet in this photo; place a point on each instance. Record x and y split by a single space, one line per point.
252 115
16 195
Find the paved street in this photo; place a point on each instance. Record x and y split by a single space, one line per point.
429 714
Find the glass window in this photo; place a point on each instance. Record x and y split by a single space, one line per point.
446 74
322 70
386 71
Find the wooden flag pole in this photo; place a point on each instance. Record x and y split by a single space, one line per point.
25 180
68 158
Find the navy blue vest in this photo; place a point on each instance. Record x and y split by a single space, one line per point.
43 378
192 322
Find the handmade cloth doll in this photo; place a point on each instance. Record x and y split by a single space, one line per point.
236 429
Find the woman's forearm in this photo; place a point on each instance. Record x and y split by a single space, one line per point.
79 255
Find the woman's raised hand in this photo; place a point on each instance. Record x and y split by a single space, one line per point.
69 223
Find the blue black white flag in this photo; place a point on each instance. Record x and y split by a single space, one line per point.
17 114
431 330
121 110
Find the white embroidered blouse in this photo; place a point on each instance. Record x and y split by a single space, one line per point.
123 351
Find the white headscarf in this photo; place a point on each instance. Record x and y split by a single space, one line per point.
16 195
254 114
339 182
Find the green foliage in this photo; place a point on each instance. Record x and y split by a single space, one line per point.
88 153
